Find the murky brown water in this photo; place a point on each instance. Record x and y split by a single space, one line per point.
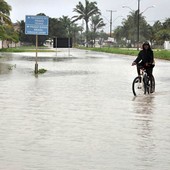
81 114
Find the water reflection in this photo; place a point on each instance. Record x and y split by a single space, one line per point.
144 104
144 121
4 68
80 115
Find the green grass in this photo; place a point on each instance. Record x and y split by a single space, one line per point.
161 54
116 51
41 71
26 49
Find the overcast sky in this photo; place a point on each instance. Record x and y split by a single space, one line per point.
58 8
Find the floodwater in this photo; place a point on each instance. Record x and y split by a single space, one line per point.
81 114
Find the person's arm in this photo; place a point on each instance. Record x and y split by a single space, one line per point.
139 57
151 58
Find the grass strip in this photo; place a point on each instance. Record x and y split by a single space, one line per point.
161 54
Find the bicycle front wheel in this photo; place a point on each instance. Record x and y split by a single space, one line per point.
146 83
137 86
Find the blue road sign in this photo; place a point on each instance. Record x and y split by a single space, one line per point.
36 25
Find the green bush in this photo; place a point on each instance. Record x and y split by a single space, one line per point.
41 71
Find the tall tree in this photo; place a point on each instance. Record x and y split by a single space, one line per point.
157 26
166 24
5 20
119 34
5 9
71 29
56 28
96 23
129 28
66 23
85 12
75 31
163 34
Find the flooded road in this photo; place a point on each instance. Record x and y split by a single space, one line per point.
81 114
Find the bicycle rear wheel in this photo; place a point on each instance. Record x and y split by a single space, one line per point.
137 86
149 85
152 84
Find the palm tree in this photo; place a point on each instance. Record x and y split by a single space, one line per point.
5 9
129 28
66 23
74 32
71 29
85 12
97 23
5 21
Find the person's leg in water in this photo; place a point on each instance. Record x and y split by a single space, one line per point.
149 72
139 67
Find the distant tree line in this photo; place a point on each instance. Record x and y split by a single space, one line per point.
67 27
88 13
127 33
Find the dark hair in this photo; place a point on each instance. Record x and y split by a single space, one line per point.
146 43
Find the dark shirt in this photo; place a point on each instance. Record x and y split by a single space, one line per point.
145 56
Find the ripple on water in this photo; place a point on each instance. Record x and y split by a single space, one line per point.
81 114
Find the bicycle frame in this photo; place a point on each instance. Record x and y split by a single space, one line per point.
143 83
146 81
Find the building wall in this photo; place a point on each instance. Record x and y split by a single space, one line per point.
5 44
0 44
167 45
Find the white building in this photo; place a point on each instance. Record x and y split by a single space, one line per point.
0 44
167 45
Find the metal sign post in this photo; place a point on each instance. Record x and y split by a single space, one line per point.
36 25
36 57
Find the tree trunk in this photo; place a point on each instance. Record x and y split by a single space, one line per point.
87 32
94 37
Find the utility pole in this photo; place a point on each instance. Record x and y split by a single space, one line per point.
111 11
138 21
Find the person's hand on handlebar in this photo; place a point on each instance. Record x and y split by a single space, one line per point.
134 63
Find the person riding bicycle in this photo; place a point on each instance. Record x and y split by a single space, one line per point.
145 59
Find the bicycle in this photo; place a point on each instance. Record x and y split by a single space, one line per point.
143 84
